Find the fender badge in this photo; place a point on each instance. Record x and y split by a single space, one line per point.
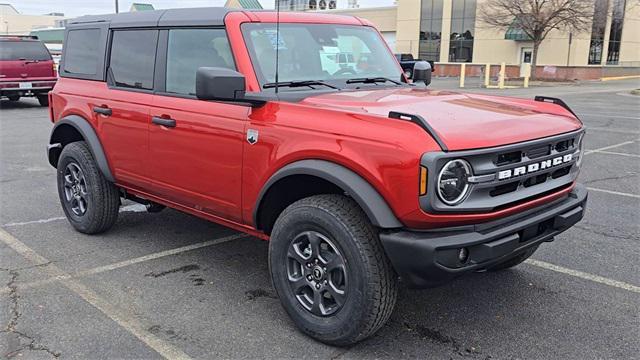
252 136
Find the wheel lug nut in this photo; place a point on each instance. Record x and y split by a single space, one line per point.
316 261
325 282
309 265
309 277
318 286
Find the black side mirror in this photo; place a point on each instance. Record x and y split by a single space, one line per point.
422 72
215 83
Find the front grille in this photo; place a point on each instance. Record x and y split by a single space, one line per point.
509 174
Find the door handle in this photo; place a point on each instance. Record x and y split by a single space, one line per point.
168 122
102 110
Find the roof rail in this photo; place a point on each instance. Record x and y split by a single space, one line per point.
29 37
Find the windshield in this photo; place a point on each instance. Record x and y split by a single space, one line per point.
23 50
322 52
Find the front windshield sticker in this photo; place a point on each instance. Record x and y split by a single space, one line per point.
276 43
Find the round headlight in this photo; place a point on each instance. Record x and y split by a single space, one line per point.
453 185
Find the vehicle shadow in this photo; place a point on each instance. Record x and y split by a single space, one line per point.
20 104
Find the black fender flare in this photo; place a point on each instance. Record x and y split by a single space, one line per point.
82 126
369 199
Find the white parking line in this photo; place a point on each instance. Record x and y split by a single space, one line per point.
609 116
585 276
609 147
617 153
123 318
614 192
589 128
121 264
129 208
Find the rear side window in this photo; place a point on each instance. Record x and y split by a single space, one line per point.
23 50
133 55
189 49
81 52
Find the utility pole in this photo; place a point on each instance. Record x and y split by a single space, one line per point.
116 6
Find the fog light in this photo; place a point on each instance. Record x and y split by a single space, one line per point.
463 255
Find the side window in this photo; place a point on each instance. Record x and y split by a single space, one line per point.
133 56
81 52
189 49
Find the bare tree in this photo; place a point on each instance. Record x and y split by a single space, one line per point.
537 18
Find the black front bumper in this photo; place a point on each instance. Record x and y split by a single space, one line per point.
430 258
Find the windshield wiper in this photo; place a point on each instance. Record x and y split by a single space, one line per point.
372 80
309 83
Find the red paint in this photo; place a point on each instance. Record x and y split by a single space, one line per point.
204 166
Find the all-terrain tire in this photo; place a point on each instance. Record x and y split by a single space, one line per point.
100 197
517 260
370 288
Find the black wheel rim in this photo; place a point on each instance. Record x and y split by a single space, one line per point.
75 189
317 273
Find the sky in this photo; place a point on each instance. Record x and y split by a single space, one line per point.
84 7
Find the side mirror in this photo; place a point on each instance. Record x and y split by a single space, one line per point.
422 72
215 83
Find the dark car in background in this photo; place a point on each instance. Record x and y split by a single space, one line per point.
26 69
407 62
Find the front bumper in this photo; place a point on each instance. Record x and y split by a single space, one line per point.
430 258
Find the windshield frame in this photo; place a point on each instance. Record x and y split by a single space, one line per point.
340 83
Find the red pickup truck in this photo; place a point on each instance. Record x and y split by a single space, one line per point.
357 177
26 68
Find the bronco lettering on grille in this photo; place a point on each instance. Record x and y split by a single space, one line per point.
542 165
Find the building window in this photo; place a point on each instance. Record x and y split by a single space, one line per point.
615 35
463 20
597 31
430 30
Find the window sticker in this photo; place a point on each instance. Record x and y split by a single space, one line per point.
277 42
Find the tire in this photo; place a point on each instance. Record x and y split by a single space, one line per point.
362 272
519 259
43 100
13 97
89 201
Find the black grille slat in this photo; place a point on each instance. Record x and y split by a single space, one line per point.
539 152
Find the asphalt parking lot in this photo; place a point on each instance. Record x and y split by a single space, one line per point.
172 285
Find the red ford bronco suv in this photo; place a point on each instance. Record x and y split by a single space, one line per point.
26 68
356 177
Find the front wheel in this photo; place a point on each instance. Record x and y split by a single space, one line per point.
330 271
88 199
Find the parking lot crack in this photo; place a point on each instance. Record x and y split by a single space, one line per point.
15 315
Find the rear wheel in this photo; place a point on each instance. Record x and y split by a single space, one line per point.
88 199
13 97
43 100
330 271
519 259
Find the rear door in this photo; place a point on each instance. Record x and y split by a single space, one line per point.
195 145
123 112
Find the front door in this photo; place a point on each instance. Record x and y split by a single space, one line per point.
526 55
195 145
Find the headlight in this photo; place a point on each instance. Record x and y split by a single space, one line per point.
453 185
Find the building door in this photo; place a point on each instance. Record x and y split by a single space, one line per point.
526 55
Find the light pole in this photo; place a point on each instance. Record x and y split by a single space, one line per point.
116 6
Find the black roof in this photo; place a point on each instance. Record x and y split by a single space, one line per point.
208 16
